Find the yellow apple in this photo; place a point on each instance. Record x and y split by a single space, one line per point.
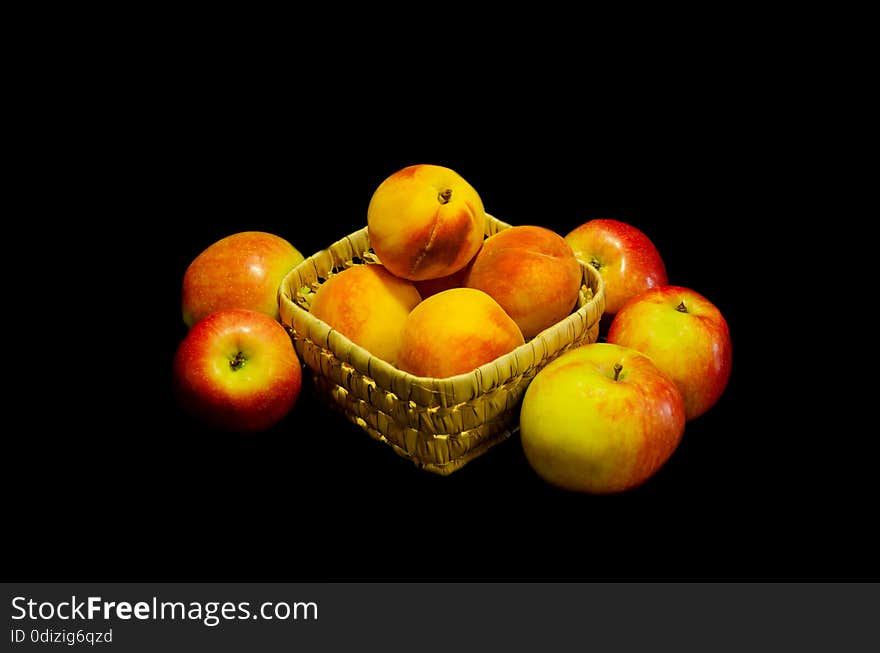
600 419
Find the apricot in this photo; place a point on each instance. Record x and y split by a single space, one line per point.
454 332
368 305
425 221
531 272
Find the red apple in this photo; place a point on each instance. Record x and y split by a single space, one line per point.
685 335
237 370
600 419
625 257
243 270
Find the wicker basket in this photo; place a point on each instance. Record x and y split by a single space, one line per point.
438 424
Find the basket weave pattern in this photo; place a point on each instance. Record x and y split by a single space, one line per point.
438 424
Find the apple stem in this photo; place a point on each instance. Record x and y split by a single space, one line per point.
237 361
444 195
595 263
617 368
681 308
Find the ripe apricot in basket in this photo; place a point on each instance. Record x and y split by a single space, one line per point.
454 332
425 221
242 270
531 272
368 305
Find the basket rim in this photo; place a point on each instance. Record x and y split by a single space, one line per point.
337 342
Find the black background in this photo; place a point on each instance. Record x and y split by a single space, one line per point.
112 481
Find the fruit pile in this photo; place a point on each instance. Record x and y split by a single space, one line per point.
442 300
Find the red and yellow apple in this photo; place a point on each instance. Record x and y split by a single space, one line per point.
531 272
368 305
454 332
425 221
243 270
600 419
237 370
625 257
685 335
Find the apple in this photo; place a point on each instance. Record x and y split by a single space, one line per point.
243 270
685 335
625 257
600 419
237 370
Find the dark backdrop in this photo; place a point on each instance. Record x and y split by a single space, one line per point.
114 482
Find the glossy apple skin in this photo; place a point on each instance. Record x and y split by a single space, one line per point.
685 335
237 370
243 270
584 430
625 257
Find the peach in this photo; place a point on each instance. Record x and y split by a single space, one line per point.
531 272
368 305
425 221
454 332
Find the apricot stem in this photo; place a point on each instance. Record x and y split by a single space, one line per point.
444 195
617 368
681 308
237 361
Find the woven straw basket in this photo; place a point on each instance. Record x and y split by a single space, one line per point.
438 424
